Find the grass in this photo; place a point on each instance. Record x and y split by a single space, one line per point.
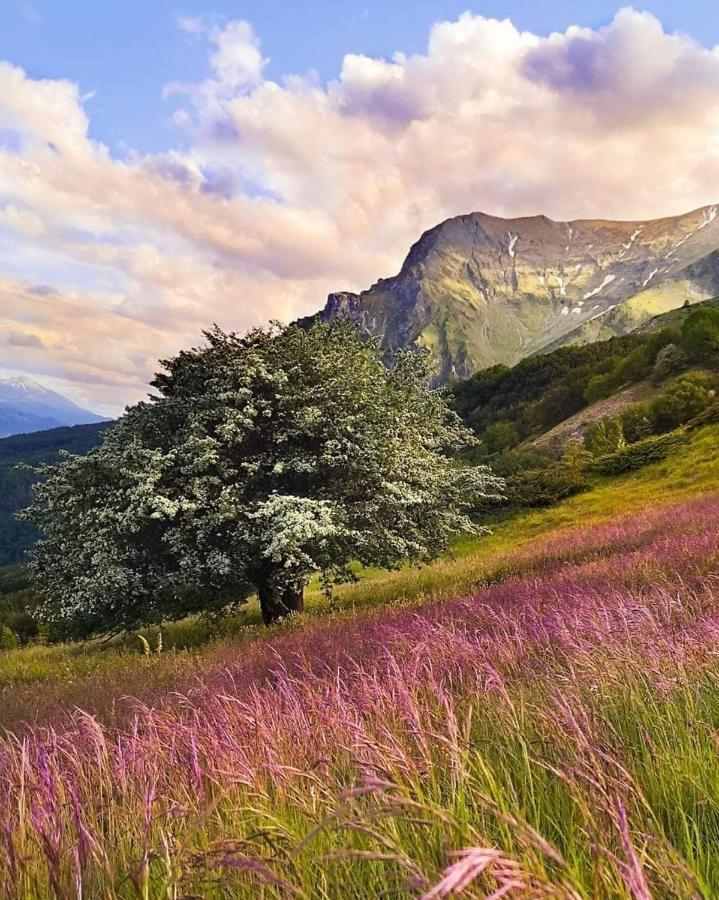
536 716
551 734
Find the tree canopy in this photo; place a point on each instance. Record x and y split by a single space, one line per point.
261 460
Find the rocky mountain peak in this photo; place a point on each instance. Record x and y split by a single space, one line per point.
479 289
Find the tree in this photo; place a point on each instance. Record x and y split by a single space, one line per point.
670 360
637 422
599 386
500 436
575 458
263 459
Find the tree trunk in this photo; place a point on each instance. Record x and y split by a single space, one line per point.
276 603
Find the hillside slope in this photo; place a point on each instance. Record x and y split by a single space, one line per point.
544 701
548 399
478 290
16 484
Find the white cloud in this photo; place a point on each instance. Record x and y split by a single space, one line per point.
293 189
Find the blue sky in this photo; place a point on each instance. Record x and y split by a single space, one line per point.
127 50
160 170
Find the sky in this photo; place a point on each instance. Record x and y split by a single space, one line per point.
165 165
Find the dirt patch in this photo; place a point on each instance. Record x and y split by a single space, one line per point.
573 428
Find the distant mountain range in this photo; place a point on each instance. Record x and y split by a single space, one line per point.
26 406
478 290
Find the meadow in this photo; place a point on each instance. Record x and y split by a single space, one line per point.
536 716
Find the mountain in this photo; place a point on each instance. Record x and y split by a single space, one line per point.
479 290
26 406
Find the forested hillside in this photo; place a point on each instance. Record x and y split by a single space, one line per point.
16 483
507 406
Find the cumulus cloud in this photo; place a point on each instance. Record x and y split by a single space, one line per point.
291 189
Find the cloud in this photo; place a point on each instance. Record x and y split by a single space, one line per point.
629 66
21 339
292 188
236 60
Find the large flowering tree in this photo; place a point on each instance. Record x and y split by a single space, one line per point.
262 459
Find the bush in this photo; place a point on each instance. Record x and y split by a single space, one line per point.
604 436
543 487
707 416
685 399
8 638
599 387
500 436
637 422
634 456
700 334
670 360
521 459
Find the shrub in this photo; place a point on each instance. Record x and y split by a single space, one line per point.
634 456
707 416
8 638
700 334
521 459
686 398
636 365
599 387
543 487
604 436
637 422
575 458
500 436
670 360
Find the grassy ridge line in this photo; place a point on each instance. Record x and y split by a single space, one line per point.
68 672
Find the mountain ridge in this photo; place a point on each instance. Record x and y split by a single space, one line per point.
479 289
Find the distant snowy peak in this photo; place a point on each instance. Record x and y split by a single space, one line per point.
22 383
27 406
23 386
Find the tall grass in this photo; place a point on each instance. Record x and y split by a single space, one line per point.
551 733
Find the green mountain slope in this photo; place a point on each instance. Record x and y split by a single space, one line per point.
16 484
478 290
675 317
547 399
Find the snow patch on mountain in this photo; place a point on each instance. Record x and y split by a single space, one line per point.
598 290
